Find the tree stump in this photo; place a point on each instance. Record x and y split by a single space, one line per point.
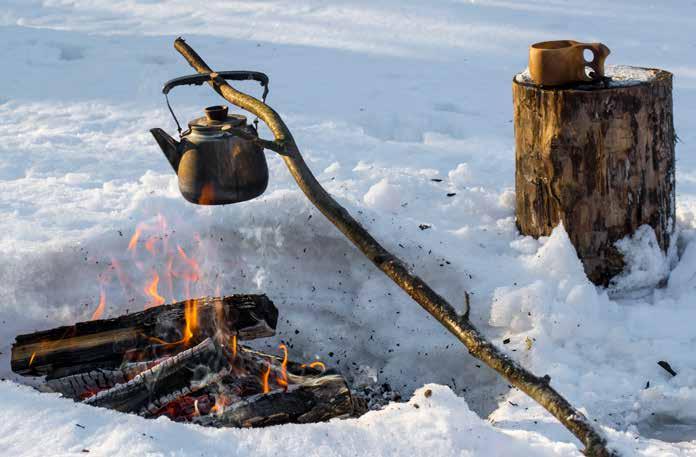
599 158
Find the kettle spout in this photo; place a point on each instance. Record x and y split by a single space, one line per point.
169 146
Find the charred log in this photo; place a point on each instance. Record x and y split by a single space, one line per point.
146 335
85 384
189 386
314 400
179 375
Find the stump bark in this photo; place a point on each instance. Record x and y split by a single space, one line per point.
600 159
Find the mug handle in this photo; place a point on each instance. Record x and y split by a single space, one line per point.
596 65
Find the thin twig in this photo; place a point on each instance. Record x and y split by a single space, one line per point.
537 388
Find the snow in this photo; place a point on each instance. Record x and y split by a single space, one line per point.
621 75
403 111
436 424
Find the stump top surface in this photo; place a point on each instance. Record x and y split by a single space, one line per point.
618 76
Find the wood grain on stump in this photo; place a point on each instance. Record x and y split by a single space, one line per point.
598 158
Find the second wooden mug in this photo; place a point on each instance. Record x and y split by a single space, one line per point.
555 63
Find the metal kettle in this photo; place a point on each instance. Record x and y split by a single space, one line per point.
216 160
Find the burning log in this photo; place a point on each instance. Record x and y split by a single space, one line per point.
233 388
81 385
174 388
315 399
246 397
146 335
175 377
183 361
216 384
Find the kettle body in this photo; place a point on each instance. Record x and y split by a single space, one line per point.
214 165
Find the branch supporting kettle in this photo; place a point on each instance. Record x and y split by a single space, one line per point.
217 159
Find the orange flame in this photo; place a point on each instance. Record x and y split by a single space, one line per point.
163 230
318 365
150 244
283 379
207 194
31 360
151 291
168 275
121 275
217 287
233 343
191 317
134 239
102 305
264 378
195 273
220 402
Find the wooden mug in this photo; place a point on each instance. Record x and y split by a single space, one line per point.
555 63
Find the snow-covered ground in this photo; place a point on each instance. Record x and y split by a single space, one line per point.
382 98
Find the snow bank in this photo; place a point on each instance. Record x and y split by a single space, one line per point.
433 422
437 424
600 353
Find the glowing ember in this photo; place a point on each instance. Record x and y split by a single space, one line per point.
31 360
221 401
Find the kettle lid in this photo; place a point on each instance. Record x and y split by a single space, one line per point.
216 117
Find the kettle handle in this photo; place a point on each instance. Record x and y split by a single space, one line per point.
200 78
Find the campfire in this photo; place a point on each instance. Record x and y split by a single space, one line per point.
182 360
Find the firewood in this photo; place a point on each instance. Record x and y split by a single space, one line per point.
316 399
145 335
178 375
207 370
85 384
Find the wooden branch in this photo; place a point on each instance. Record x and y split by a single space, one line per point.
146 335
266 144
536 387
